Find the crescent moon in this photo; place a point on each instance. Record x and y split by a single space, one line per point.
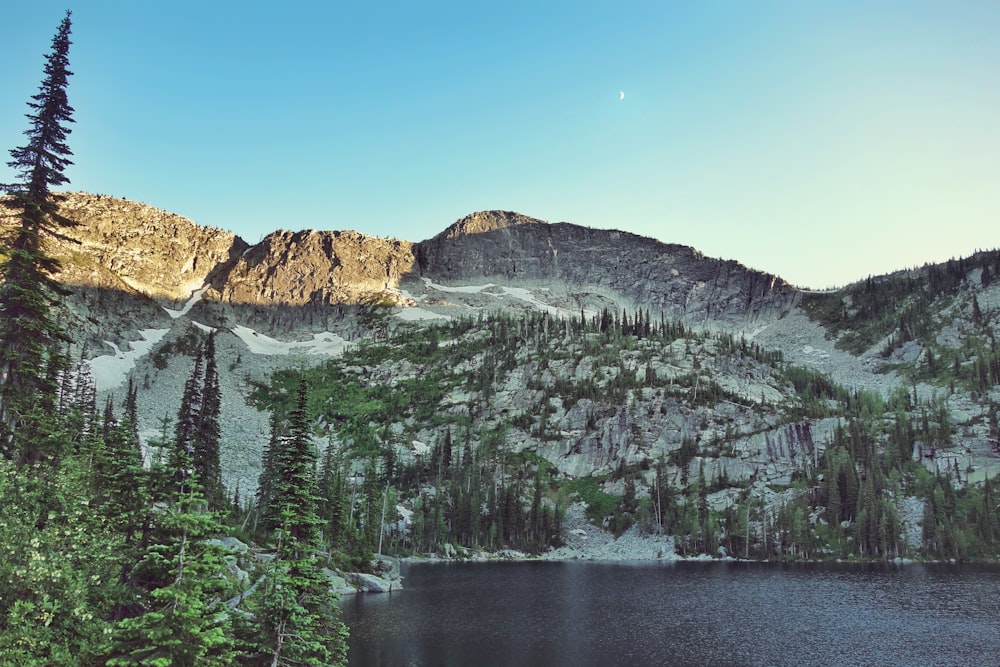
621 94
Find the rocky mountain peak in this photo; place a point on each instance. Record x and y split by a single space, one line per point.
316 267
487 221
159 254
599 265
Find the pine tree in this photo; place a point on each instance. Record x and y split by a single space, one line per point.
446 451
132 408
332 493
185 429
268 473
295 615
197 431
182 620
205 443
29 334
119 479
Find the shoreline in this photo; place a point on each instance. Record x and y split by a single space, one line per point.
584 542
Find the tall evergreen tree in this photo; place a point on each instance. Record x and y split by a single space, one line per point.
294 482
186 425
181 619
333 501
29 334
132 408
268 472
205 443
295 613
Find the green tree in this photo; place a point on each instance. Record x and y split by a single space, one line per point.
295 614
186 426
205 441
58 572
119 481
182 622
197 432
30 337
333 499
268 473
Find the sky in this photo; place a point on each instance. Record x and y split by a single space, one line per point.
820 141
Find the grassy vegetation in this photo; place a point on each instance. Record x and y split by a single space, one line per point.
600 504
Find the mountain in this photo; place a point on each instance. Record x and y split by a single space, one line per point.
602 267
612 365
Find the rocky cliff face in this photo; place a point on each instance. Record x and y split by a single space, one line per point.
308 281
642 272
126 262
160 254
316 268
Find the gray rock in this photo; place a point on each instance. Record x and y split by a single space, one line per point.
369 583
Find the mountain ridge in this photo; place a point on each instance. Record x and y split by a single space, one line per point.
167 258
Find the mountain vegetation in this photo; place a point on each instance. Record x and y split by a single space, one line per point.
492 470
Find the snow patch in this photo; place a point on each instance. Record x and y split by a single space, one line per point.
464 289
414 314
421 447
111 370
526 295
195 298
326 343
520 293
203 327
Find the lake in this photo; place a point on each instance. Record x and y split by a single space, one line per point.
557 614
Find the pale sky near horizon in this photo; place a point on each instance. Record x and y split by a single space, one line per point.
821 141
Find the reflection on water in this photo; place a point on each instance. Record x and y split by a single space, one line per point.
580 613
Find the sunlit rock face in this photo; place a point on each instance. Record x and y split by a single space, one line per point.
308 282
317 267
160 254
125 263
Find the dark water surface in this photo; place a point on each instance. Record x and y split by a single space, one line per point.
558 614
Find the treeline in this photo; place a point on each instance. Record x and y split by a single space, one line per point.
471 495
914 307
899 305
478 499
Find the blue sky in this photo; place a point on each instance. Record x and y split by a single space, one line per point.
822 141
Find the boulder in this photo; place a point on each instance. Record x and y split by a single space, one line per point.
369 583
